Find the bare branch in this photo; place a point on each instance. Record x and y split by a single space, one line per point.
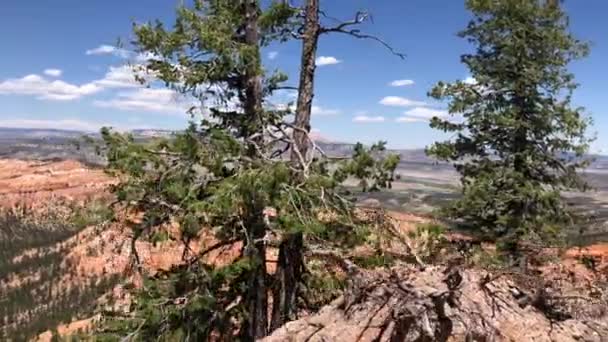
360 17
286 87
303 163
357 34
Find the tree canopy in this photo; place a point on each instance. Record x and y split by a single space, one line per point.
226 176
517 142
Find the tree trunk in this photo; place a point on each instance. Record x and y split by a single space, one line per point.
257 299
291 260
307 80
288 275
256 325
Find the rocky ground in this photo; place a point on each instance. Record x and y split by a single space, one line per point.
442 304
104 250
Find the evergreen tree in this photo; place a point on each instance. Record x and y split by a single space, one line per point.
224 175
517 142
312 27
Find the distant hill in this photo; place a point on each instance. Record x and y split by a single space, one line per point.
21 141
7 133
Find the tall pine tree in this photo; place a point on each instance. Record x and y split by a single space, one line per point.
226 176
517 141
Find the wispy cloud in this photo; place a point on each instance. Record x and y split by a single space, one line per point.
368 119
273 55
317 110
426 113
401 83
122 77
109 50
422 114
47 90
148 100
409 120
396 101
53 72
123 53
327 60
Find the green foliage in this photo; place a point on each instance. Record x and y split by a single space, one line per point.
35 270
322 285
374 168
427 240
518 143
378 259
224 174
488 259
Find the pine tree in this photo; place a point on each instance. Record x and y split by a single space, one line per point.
517 142
224 175
291 259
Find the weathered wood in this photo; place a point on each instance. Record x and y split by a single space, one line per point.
437 304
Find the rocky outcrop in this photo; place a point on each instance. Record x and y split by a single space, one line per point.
36 183
436 304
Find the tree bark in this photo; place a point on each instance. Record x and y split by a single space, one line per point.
307 79
291 259
288 275
256 325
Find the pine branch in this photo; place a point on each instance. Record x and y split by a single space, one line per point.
211 249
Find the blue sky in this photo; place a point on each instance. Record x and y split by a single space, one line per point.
55 71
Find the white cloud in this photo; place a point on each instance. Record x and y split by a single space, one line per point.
425 113
408 120
326 60
282 98
109 50
58 90
273 55
145 57
46 89
367 119
53 72
421 114
316 110
121 77
283 106
397 101
401 83
148 100
470 80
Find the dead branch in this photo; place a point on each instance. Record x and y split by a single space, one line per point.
360 17
357 34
